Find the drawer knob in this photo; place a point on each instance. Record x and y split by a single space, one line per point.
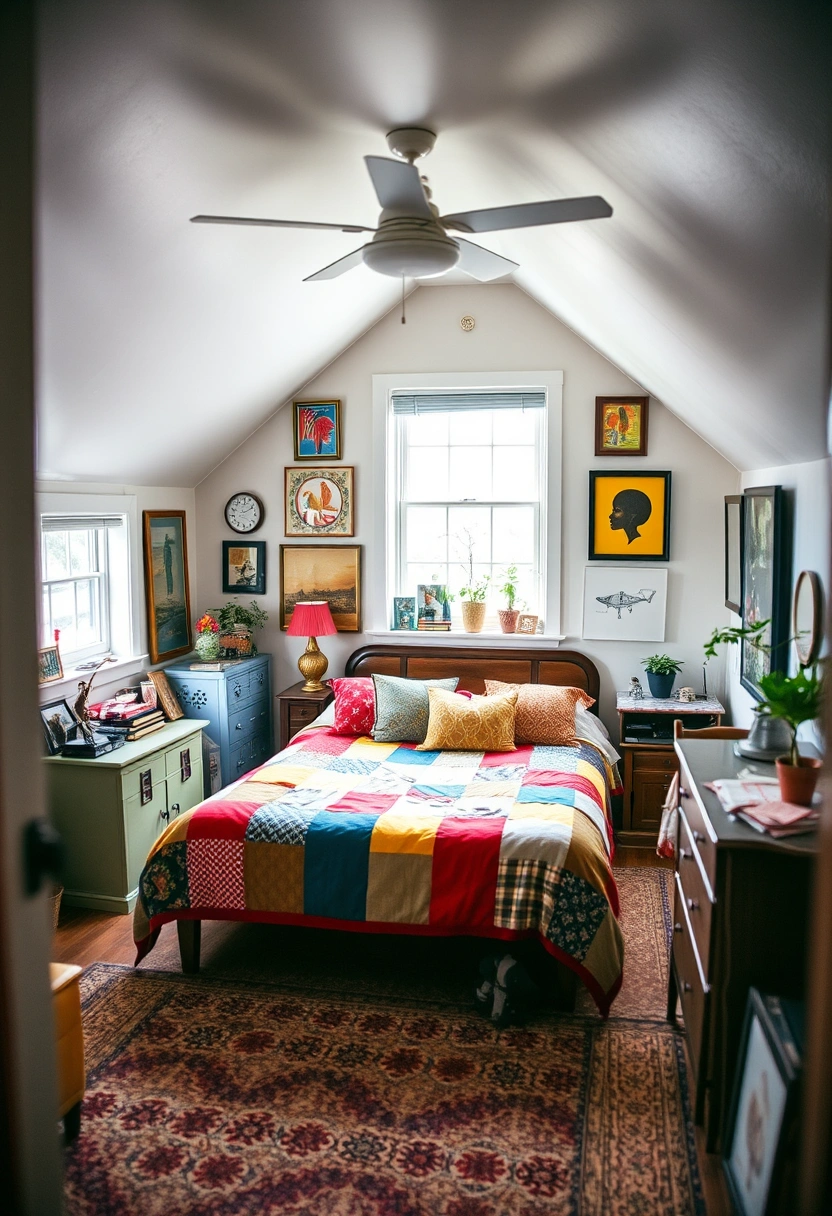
686 987
239 726
693 904
686 853
698 836
165 814
174 810
677 928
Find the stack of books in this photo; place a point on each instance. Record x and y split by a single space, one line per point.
758 803
434 626
130 721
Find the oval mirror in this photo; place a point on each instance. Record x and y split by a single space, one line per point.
807 621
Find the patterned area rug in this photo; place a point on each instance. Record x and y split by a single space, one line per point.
215 1096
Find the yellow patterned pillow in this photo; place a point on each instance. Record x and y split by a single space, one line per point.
481 724
545 712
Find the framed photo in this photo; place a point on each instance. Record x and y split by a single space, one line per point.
733 553
165 696
526 623
322 572
316 427
59 725
624 603
404 612
432 603
629 516
621 426
244 566
761 1132
765 584
319 502
166 590
49 665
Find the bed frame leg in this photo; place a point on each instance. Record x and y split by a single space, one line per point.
566 988
190 934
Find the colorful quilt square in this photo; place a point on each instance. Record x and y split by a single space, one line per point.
277 824
559 759
349 764
398 888
466 858
492 789
314 798
164 880
527 892
482 808
408 755
285 774
368 749
255 792
399 832
225 820
520 755
501 773
215 874
469 760
273 875
538 839
387 779
356 803
438 790
536 810
336 858
546 794
324 739
578 916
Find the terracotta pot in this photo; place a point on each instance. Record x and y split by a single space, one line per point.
508 619
798 781
473 616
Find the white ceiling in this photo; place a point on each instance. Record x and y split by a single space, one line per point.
163 344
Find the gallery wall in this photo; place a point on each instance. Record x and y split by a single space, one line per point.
512 333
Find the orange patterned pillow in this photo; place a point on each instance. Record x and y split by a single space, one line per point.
545 712
476 724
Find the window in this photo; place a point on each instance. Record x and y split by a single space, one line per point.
80 554
470 491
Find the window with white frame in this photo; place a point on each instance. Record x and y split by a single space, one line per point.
470 493
83 583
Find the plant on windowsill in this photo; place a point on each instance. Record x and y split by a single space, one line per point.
661 674
509 615
237 625
473 594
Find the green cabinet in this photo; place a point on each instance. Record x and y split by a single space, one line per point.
109 811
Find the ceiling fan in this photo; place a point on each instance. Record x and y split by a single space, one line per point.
412 238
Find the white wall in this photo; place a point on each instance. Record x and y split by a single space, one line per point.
512 333
147 498
809 489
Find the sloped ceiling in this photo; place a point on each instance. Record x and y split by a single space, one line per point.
164 344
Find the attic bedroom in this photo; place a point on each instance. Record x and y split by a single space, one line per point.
413 781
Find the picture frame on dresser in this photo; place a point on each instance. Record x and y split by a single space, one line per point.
766 595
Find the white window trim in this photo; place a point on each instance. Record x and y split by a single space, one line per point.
380 572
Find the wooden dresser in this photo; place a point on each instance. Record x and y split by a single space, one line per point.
741 905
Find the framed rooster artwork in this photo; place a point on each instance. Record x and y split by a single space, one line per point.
319 502
316 426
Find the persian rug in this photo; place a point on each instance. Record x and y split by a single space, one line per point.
211 1096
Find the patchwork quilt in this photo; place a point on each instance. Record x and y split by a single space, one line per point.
348 833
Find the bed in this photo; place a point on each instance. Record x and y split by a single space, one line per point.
346 833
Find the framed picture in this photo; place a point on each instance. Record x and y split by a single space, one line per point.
322 572
49 665
59 725
765 584
404 612
165 696
621 426
244 566
733 553
526 623
762 1127
625 604
319 502
629 516
432 603
316 427
166 590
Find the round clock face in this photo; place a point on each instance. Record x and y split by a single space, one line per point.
244 512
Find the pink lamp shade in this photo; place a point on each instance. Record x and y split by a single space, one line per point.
311 619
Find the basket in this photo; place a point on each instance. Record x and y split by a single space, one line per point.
55 900
237 645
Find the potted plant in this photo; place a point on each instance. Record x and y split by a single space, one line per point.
207 643
794 700
237 624
508 615
661 674
472 595
769 736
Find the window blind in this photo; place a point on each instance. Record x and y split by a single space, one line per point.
451 403
69 523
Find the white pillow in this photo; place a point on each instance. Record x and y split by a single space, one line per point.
589 726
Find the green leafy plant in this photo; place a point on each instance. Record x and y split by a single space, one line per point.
234 613
509 587
475 590
661 665
795 699
753 634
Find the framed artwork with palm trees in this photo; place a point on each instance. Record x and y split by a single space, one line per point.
319 501
316 427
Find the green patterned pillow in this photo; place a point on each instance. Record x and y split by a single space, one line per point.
403 708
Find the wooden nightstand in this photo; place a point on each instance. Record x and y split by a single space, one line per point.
646 744
297 709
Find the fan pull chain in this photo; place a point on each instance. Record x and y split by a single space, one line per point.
404 322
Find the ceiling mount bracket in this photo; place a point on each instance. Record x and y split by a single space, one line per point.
409 143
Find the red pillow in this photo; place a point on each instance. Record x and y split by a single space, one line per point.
355 705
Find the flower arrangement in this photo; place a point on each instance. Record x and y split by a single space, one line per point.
207 624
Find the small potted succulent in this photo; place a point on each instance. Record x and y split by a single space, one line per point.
661 674
207 643
508 615
795 700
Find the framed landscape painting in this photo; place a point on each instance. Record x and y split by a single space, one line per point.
319 502
765 589
167 594
629 516
322 572
621 426
316 427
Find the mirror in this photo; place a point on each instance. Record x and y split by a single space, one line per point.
807 619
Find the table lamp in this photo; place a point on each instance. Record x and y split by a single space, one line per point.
312 619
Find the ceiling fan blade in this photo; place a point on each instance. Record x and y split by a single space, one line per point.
239 219
528 215
481 263
398 186
333 270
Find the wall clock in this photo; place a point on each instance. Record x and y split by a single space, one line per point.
244 512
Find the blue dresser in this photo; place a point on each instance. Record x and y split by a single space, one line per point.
237 702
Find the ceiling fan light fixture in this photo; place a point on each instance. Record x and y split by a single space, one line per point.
422 257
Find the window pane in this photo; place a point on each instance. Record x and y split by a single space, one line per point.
469 523
56 553
471 427
416 572
427 534
427 474
87 631
82 550
514 535
515 473
470 473
427 429
63 614
515 426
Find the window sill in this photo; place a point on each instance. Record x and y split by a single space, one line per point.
119 671
458 637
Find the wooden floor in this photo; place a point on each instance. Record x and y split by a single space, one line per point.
85 937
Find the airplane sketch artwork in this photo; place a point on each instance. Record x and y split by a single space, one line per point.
621 604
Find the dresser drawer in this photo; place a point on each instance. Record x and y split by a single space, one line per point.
301 713
693 989
696 892
657 761
238 688
699 830
245 722
186 755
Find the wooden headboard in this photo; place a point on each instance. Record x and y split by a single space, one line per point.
476 664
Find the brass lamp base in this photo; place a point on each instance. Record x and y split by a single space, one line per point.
312 665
